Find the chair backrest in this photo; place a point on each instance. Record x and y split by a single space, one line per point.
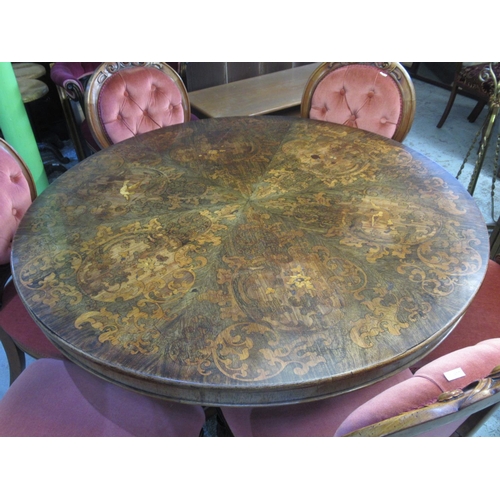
377 97
17 191
123 100
436 400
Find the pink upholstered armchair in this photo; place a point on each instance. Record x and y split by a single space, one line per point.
18 332
127 99
377 97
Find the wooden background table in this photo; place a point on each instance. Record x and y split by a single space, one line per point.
250 261
254 96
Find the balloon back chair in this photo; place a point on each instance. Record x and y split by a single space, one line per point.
417 401
18 332
376 97
123 100
57 398
468 80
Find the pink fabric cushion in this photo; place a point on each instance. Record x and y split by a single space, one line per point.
426 386
480 322
359 96
16 321
15 199
314 419
138 100
57 398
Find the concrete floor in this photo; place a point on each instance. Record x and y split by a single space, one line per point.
446 146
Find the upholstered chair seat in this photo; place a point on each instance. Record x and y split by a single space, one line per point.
58 399
313 419
376 98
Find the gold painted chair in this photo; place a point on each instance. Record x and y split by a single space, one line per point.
377 97
123 100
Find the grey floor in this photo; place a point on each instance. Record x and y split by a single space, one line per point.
447 146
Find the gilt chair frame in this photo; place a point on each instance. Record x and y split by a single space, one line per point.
394 69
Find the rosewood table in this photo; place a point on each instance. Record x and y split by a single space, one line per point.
250 261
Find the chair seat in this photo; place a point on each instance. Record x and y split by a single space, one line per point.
16 321
315 419
58 399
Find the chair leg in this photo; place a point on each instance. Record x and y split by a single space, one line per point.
451 100
476 111
15 357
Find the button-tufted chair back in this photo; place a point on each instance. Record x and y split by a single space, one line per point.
377 97
123 100
17 191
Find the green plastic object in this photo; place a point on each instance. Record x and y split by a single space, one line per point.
16 127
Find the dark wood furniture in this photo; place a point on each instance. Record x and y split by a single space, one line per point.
254 96
250 261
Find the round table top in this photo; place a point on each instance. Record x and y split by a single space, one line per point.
28 70
250 261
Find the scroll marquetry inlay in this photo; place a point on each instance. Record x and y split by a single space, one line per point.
250 260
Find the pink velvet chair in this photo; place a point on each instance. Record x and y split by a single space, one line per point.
58 399
436 400
18 332
377 97
127 99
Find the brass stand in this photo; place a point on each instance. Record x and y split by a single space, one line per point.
485 131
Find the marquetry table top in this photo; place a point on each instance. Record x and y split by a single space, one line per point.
256 261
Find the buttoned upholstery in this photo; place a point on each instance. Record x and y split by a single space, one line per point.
58 399
128 99
375 98
15 198
18 332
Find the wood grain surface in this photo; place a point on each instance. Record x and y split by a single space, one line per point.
250 261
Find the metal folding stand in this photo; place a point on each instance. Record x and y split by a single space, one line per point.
485 132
